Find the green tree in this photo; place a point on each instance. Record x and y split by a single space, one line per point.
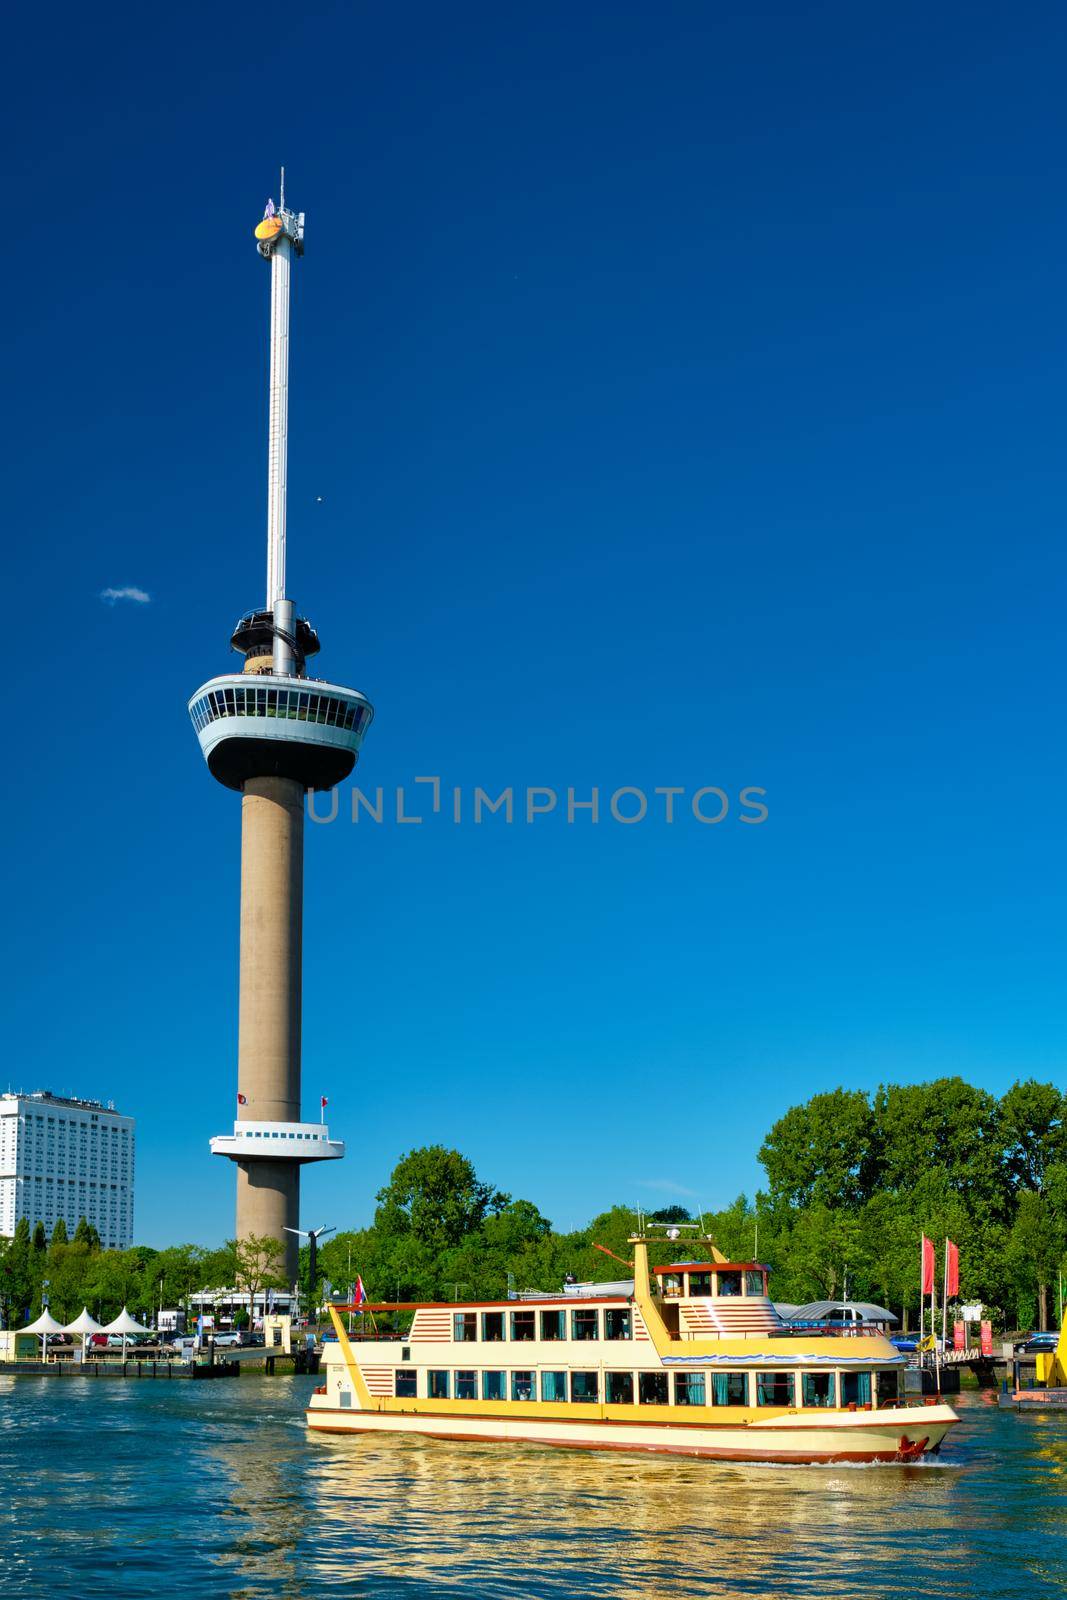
1032 1131
435 1196
40 1239
257 1265
17 1275
823 1152
86 1234
945 1126
1036 1246
59 1232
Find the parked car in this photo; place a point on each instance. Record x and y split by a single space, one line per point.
1038 1343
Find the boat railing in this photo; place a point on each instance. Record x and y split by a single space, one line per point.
837 1330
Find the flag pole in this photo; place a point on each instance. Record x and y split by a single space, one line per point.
933 1320
944 1302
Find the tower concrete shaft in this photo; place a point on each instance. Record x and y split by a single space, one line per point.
272 898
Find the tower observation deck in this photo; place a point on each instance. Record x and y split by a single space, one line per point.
271 732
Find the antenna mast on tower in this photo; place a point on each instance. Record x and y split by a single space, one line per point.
280 237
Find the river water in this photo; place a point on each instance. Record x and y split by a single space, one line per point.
215 1489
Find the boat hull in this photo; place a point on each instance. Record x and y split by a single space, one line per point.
892 1435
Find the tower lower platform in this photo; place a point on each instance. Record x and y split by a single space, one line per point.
268 1156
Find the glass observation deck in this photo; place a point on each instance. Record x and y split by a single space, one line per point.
270 726
278 1141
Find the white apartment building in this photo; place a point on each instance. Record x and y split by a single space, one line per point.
66 1158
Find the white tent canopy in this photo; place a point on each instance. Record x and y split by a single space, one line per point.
46 1323
124 1323
84 1324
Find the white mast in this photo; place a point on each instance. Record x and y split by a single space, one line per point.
278 419
281 236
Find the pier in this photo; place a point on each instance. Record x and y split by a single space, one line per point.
269 1362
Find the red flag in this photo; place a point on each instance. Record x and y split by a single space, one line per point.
241 1099
952 1268
323 1103
928 1265
359 1296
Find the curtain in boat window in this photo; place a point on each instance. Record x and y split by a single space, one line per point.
856 1388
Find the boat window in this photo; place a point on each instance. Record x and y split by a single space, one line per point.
617 1323
553 1386
493 1385
585 1387
407 1383
522 1325
465 1326
437 1385
522 1386
619 1388
672 1285
887 1385
466 1386
585 1324
774 1388
493 1326
855 1388
755 1283
689 1389
700 1283
553 1325
729 1283
818 1389
652 1388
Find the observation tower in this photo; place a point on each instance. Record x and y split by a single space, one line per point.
272 733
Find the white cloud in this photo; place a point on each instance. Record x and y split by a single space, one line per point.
139 596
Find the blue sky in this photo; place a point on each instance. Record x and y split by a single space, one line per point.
677 399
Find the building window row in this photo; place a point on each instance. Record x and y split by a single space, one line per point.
297 705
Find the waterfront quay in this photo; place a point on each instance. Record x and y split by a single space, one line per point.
269 1363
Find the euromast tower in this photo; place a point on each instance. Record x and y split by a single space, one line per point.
272 733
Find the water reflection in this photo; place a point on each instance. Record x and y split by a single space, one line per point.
132 1490
445 1516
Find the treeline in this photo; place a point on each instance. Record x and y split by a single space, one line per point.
76 1272
852 1181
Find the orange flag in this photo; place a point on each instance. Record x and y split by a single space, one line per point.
928 1265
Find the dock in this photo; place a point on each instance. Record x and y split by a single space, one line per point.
164 1369
268 1362
1035 1399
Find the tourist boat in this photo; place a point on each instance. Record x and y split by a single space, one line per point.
691 1359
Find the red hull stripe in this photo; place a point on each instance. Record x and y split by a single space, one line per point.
782 1458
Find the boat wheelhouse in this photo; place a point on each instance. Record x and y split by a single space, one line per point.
690 1359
